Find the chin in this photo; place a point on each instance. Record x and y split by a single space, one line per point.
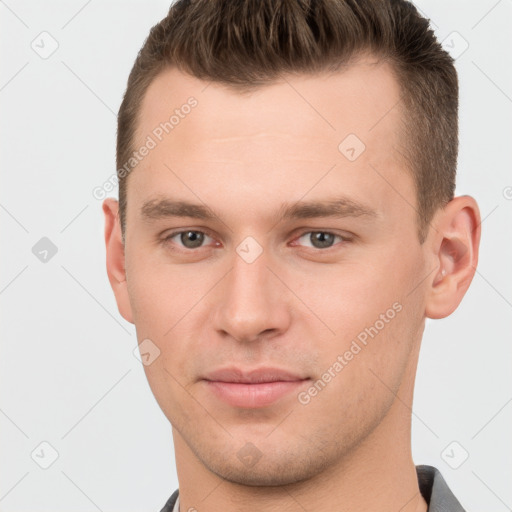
278 469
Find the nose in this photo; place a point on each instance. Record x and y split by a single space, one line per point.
252 302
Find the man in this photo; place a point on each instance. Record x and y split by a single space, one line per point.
286 223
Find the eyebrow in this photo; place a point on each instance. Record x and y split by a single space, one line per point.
163 208
338 208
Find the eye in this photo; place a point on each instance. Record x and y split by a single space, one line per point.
189 239
320 239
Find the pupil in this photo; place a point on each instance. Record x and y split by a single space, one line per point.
192 239
321 240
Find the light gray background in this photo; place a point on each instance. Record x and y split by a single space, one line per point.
68 374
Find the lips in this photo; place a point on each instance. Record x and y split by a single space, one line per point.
252 388
254 376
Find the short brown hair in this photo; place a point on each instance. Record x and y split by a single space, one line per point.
246 44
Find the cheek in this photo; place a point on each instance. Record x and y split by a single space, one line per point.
350 296
168 308
159 294
370 308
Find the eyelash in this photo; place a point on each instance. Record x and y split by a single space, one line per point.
167 239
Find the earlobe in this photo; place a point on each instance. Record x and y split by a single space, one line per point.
116 270
455 245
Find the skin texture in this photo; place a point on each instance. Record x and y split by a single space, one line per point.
296 307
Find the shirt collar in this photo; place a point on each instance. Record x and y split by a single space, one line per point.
435 490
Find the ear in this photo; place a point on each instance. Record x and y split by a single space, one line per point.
115 258
455 243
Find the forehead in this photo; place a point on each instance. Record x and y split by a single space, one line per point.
358 99
288 133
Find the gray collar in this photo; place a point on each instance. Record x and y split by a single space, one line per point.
435 490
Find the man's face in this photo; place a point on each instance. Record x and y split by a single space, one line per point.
250 288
